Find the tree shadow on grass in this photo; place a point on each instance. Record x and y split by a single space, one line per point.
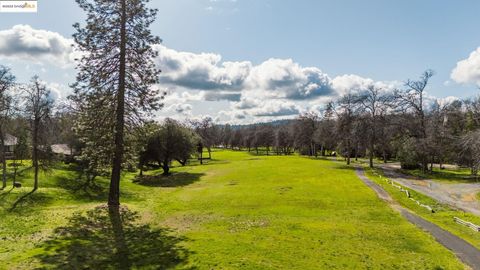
174 180
81 190
4 193
111 238
351 167
25 201
207 162
438 175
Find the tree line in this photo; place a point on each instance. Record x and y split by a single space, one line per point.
377 123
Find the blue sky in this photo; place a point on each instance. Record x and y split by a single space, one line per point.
385 41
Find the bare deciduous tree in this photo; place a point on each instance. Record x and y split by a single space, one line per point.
7 82
38 109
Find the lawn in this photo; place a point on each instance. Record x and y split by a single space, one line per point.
239 211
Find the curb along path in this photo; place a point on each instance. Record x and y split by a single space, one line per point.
467 253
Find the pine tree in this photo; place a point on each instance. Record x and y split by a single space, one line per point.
117 67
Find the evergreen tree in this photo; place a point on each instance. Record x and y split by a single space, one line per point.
117 67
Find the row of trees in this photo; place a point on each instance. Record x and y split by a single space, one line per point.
376 122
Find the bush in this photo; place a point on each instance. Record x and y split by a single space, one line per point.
407 154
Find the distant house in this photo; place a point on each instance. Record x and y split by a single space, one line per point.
9 142
62 150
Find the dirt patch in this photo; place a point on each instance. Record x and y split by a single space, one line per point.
472 197
421 183
187 222
246 225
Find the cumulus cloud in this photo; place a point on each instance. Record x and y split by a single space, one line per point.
26 43
279 78
275 88
276 108
284 78
58 91
467 71
447 101
183 108
217 96
232 116
176 102
204 71
354 83
246 103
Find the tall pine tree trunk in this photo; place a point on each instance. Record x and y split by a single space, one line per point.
114 194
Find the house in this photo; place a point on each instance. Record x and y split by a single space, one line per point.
9 142
62 150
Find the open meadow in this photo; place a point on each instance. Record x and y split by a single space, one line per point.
238 211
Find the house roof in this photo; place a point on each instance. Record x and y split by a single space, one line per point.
63 149
10 140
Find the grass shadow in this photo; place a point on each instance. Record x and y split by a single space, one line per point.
82 192
111 238
4 193
93 192
213 161
351 167
25 201
264 153
439 175
178 179
21 199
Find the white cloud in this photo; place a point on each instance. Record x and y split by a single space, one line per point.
283 78
185 96
275 78
275 88
59 91
467 71
276 108
204 71
25 43
354 83
447 100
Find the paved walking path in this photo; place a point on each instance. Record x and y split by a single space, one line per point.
467 253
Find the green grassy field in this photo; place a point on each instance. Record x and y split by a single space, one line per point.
240 211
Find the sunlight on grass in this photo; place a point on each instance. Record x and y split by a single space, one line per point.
237 211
